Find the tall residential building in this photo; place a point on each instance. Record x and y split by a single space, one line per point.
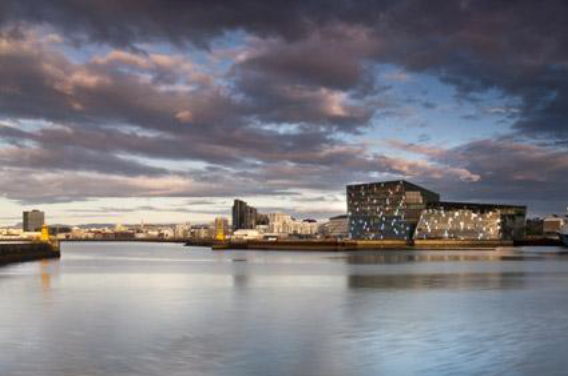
244 216
33 220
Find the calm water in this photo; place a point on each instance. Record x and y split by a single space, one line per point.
165 309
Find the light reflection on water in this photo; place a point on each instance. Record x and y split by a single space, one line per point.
162 309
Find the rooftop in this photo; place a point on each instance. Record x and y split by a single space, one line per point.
407 185
473 205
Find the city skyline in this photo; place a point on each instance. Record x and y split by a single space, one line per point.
167 111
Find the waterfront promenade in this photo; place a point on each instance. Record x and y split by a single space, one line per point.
361 245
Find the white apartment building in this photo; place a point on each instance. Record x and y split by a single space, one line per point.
280 223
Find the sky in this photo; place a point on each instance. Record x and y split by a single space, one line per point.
125 111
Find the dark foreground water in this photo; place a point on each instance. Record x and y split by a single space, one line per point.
164 309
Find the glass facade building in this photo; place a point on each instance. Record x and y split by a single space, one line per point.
469 221
386 210
402 210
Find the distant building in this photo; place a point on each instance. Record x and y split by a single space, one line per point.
470 221
123 235
552 225
386 210
534 227
261 219
283 225
33 220
279 223
402 210
182 230
201 232
166 233
244 216
247 234
58 230
338 227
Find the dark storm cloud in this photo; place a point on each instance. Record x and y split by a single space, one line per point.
513 171
517 47
125 22
509 172
39 83
520 47
74 159
307 78
308 82
202 122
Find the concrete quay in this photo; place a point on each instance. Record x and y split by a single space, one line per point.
14 252
358 245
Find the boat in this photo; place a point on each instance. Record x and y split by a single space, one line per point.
564 235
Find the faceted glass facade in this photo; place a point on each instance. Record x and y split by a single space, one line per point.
386 210
445 220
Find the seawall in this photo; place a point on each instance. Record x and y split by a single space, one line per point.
357 245
31 251
448 244
285 245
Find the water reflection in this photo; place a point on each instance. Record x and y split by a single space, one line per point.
390 257
151 309
45 276
451 281
241 280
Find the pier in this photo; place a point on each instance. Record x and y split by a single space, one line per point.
12 252
44 247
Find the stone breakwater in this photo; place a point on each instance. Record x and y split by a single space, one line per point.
21 252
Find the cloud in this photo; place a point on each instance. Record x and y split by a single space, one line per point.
102 98
518 48
514 171
416 148
66 186
146 208
507 171
71 158
126 23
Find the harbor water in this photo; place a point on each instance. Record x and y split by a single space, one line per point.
164 309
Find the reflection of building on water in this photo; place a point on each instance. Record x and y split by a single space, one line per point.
241 280
489 281
402 210
45 276
404 257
